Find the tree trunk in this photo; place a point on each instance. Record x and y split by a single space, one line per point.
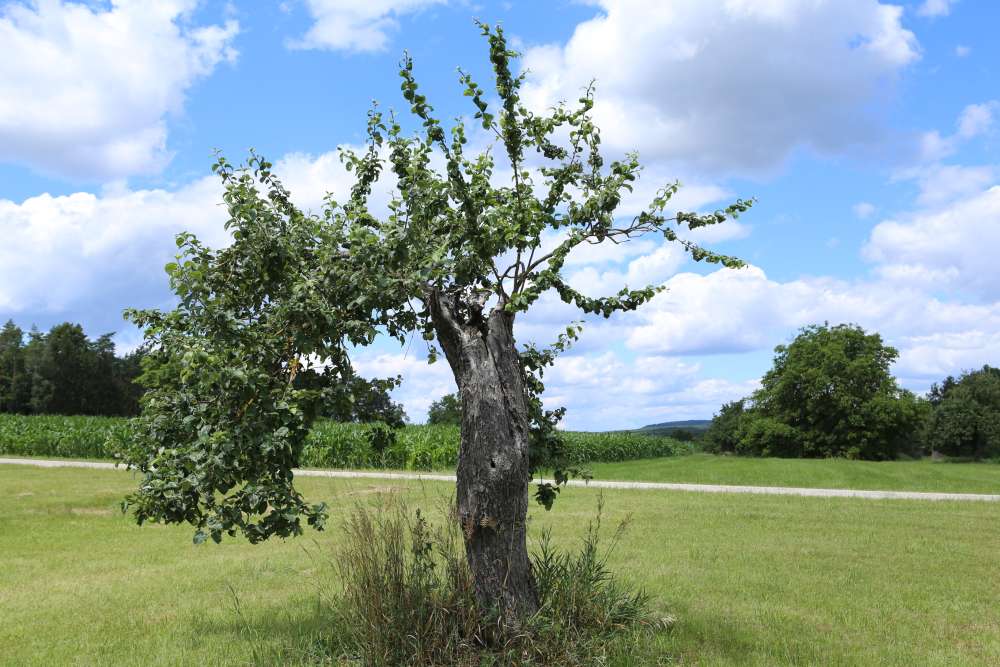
493 470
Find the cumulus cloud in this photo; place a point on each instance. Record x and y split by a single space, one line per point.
729 310
600 391
729 86
917 258
940 184
85 256
350 25
85 91
606 391
953 248
310 178
930 358
649 269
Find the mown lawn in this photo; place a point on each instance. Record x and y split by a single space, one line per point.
756 580
925 475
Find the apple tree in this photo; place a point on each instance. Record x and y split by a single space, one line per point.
470 242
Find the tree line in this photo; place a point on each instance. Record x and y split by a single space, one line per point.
65 372
830 394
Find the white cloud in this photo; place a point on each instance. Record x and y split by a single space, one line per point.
311 177
422 382
947 249
82 254
940 184
601 391
100 253
935 8
926 359
977 119
604 391
351 25
962 50
974 120
85 91
953 248
742 310
87 256
649 269
729 86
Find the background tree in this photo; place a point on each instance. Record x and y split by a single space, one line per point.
966 418
939 391
445 410
830 393
15 382
359 400
64 372
372 403
723 434
456 258
127 390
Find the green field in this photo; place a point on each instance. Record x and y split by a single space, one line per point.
758 580
328 445
925 475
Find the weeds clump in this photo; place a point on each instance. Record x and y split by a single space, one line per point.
407 599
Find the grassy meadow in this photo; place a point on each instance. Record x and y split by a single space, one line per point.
923 475
755 580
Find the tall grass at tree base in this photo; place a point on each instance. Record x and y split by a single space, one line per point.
407 598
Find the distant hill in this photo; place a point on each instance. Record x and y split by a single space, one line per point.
695 426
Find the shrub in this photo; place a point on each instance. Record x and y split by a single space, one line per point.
407 598
766 436
723 434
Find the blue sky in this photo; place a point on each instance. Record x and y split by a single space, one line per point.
867 130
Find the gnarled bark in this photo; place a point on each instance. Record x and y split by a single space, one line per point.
493 469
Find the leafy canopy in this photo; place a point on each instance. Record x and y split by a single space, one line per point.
65 372
966 417
224 420
445 410
829 393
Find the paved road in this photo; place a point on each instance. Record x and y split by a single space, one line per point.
599 484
